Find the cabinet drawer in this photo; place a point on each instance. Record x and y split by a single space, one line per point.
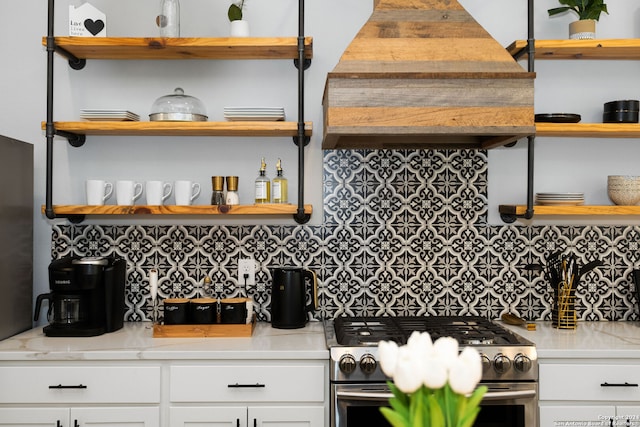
247 383
590 382
80 384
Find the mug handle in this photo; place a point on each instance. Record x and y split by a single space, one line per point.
314 278
166 186
195 189
108 189
138 192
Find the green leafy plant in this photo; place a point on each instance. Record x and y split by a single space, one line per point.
586 9
235 11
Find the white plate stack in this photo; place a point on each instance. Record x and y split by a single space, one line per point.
254 113
108 115
559 199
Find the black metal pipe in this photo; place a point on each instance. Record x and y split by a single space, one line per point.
49 128
531 51
301 218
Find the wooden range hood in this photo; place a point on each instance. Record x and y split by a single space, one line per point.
425 74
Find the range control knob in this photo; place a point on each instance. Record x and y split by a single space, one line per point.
501 363
347 364
522 363
368 364
486 363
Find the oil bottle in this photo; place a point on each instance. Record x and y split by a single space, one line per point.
280 185
263 185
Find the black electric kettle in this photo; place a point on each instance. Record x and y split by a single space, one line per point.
289 294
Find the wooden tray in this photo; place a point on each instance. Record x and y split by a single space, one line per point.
204 331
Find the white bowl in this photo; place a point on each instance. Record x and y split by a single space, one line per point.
624 190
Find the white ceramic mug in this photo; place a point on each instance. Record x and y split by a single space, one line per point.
127 192
98 191
186 192
157 192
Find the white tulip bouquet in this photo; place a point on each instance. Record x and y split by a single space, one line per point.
432 384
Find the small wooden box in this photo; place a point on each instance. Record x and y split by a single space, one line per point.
204 331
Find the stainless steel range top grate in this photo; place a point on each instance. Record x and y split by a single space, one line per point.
467 330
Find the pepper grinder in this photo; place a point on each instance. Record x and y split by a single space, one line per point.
232 191
217 196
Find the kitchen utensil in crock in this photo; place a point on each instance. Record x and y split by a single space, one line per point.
178 107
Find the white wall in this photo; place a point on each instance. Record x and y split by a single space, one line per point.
332 23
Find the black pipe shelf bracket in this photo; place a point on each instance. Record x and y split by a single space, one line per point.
75 140
530 50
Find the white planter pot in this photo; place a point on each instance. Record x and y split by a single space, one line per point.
584 29
240 28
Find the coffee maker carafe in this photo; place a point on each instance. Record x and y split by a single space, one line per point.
291 289
86 298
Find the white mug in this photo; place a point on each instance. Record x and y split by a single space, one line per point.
127 192
157 192
98 191
186 192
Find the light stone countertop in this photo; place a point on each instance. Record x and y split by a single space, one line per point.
590 340
135 342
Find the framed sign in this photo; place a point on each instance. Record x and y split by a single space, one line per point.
87 21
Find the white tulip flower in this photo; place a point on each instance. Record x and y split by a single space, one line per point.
446 349
420 342
435 372
388 355
466 372
409 369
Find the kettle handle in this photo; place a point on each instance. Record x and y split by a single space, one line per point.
314 278
39 300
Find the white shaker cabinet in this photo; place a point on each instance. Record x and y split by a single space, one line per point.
245 393
80 417
590 393
79 394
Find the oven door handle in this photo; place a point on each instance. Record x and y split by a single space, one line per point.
367 395
515 394
490 395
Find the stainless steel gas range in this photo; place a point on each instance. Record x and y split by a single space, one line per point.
358 386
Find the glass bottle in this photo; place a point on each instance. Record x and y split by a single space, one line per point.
232 191
217 196
280 186
169 18
263 185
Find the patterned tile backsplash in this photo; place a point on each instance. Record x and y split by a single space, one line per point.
404 233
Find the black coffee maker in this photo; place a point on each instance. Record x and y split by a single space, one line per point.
86 298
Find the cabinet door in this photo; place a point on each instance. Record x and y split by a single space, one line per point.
291 416
628 415
116 417
208 417
586 415
34 417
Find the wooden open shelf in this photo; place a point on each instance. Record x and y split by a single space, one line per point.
183 47
589 130
579 49
240 128
262 209
570 210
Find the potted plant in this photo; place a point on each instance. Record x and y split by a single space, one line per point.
239 27
588 13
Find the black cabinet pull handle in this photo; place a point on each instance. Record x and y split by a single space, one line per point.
60 386
236 385
626 384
